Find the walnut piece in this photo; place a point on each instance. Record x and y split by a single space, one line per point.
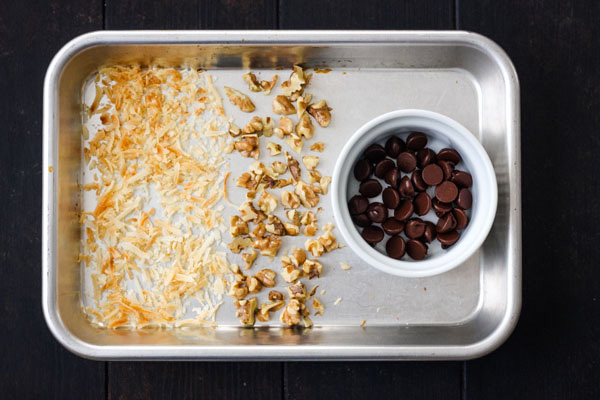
267 126
259 231
314 247
275 296
324 184
268 246
252 82
305 127
308 196
247 181
294 167
297 291
321 112
278 166
239 243
285 127
314 176
234 131
294 216
295 85
283 106
289 199
253 284
310 162
328 241
267 86
302 104
266 277
239 99
298 257
248 212
310 229
254 126
245 310
249 259
237 226
318 306
264 310
312 269
291 229
248 146
308 217
318 146
238 289
274 148
291 313
295 143
275 226
267 202
290 274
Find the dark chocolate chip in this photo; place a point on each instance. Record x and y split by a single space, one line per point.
404 211
390 197
432 174
440 208
446 223
383 166
363 170
418 182
446 192
447 167
395 247
449 155
414 228
392 226
461 218
375 152
392 177
465 199
406 189
447 239
407 162
394 146
362 220
372 234
416 249
377 212
429 233
425 157
416 141
461 179
422 203
358 204
370 188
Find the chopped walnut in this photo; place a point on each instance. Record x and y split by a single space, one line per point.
321 112
245 310
248 146
308 196
237 226
238 289
290 274
308 217
249 259
291 313
266 277
291 229
285 127
298 257
268 85
302 104
257 168
275 296
239 243
294 167
295 85
237 272
275 226
248 212
267 202
318 146
314 247
295 143
318 306
267 126
252 82
289 199
328 227
312 269
253 284
305 127
268 246
294 216
310 229
283 106
254 126
239 99
310 162
324 184
274 148
328 241
259 231
234 131
246 181
307 321
278 166
264 310
314 176
297 291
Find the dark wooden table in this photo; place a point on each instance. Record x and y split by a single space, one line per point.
554 352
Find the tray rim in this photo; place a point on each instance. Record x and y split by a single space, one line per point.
275 352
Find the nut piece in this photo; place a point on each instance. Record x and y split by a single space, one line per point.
308 217
275 296
305 127
248 146
245 310
239 99
285 127
294 216
324 184
312 269
268 246
291 229
253 284
252 82
294 167
298 257
239 243
267 126
310 229
328 241
321 112
267 202
267 86
314 247
295 143
295 85
283 106
318 306
308 196
318 146
248 212
274 148
254 126
290 274
247 181
249 259
289 199
275 226
266 277
302 104
264 310
314 176
237 226
234 131
259 231
310 162
238 289
291 313
278 166
297 291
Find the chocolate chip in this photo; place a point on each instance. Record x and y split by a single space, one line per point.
461 218
406 161
447 239
391 198
429 233
440 208
406 189
422 203
461 179
362 220
370 188
394 146
432 174
414 228
447 167
465 199
418 182
446 223
416 141
449 155
358 204
392 177
416 250
383 166
372 234
404 211
425 157
395 247
377 212
375 153
446 192
363 170
392 226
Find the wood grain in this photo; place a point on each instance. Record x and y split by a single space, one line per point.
35 365
554 352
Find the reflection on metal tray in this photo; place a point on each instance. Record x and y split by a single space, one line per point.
464 313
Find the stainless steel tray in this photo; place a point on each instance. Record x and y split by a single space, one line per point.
464 313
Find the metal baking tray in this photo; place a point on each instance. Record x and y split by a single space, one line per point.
464 313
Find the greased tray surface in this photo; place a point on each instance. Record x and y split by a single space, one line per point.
463 313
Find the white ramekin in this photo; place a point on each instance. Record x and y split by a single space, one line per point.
446 133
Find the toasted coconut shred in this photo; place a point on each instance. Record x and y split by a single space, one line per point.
151 230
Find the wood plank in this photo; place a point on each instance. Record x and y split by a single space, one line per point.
35 364
553 353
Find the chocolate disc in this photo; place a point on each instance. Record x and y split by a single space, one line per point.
392 177
383 166
363 170
358 204
416 141
406 161
391 198
440 208
370 188
372 234
395 247
392 226
425 157
432 174
404 211
446 223
406 189
465 199
414 228
429 233
362 220
416 250
375 153
418 182
394 146
447 167
377 212
449 155
461 218
445 192
448 239
461 179
422 203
